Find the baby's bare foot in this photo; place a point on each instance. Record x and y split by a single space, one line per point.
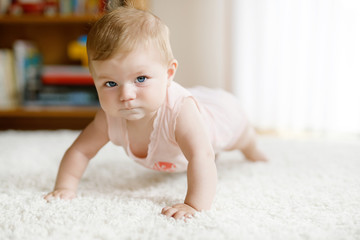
255 155
252 153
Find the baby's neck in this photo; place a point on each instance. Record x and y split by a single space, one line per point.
139 133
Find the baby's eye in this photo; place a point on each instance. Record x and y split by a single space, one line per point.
141 79
110 84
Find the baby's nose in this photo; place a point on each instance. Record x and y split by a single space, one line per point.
127 93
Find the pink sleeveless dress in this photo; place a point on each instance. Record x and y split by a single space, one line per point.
222 114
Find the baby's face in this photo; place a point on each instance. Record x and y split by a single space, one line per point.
132 86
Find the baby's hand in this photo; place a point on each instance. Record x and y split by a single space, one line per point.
178 211
65 194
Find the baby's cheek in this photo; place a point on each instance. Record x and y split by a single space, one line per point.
106 103
156 98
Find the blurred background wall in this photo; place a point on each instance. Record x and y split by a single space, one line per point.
295 65
198 38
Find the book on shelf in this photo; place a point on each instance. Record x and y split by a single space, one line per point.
8 88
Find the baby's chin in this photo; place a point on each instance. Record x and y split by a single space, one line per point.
134 117
128 114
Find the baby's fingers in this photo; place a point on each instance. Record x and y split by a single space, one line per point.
48 196
169 211
179 214
175 213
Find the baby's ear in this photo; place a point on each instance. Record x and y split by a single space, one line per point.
172 70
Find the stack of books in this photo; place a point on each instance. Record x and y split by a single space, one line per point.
67 85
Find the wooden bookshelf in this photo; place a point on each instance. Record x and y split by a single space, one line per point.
34 118
52 36
56 19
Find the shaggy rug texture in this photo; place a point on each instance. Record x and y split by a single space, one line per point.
310 189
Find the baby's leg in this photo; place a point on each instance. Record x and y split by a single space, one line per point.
247 145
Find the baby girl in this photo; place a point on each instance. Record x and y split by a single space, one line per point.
160 124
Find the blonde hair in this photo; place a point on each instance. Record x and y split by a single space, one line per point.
123 29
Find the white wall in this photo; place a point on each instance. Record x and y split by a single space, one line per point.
198 38
297 64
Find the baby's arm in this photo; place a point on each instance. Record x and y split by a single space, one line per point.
194 141
77 157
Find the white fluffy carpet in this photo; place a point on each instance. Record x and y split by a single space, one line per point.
309 190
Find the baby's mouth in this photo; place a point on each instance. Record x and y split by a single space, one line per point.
127 107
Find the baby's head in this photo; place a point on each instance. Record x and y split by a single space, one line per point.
131 62
124 29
